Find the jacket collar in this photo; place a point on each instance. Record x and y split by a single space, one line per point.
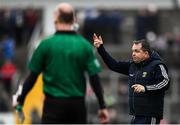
143 63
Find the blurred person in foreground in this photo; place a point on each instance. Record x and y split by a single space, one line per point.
148 80
63 58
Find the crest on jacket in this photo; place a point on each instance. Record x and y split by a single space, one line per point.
144 74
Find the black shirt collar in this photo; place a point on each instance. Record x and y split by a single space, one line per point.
143 63
65 32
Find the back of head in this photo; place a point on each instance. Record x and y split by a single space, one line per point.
65 13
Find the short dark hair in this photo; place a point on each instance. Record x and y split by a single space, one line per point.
145 45
66 17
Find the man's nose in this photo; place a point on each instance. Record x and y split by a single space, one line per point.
133 54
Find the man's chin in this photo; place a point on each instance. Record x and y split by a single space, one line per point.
135 61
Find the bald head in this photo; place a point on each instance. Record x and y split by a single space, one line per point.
66 7
64 13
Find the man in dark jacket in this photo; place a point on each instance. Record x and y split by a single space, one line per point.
148 80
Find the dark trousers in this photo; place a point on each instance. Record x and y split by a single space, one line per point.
64 111
145 120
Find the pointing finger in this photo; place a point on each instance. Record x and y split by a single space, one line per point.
100 38
95 36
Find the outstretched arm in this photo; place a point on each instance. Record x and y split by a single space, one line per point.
120 67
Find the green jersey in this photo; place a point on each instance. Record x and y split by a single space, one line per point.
63 58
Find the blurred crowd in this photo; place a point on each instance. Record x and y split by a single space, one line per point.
106 23
16 27
18 23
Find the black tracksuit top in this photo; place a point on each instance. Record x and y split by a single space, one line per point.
151 73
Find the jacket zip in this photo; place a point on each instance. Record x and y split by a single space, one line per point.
135 83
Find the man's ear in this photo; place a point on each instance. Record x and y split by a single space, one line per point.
147 53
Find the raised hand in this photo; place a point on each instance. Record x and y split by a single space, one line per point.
97 40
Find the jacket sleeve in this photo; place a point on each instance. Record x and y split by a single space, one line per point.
120 67
161 78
